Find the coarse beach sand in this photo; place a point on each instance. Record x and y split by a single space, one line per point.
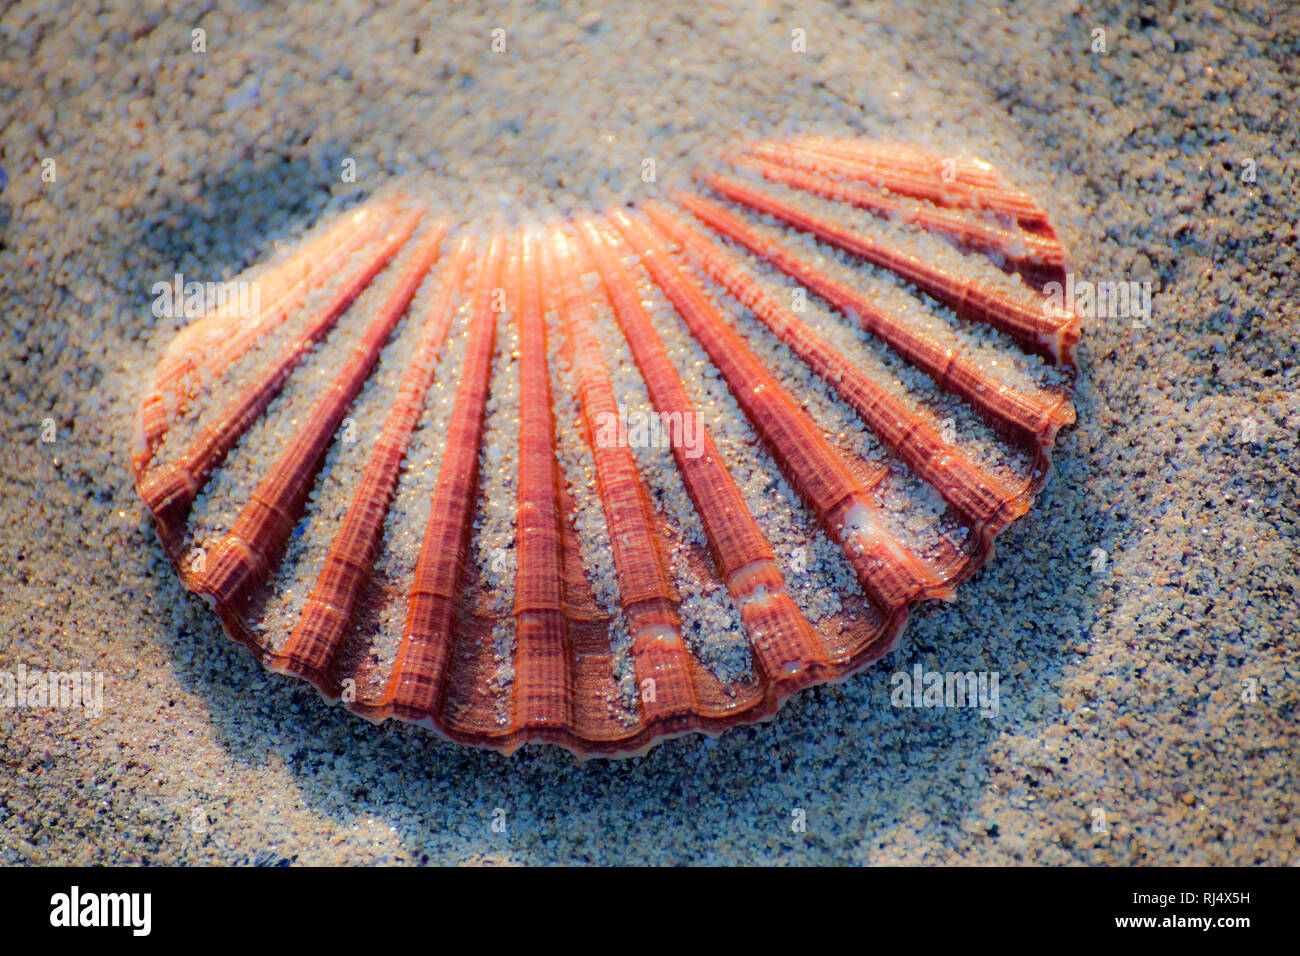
1142 618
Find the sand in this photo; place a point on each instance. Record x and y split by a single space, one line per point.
1148 698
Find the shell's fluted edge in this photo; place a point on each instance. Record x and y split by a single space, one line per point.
385 603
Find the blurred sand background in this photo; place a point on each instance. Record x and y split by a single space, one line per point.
1121 690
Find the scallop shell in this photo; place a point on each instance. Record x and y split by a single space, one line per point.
602 482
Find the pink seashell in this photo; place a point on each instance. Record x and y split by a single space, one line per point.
634 594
